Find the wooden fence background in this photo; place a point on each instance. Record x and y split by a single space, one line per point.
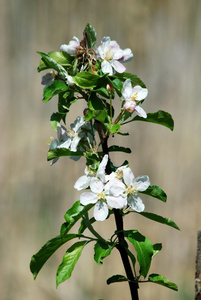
165 38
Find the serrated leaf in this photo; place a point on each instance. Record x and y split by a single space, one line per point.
90 36
160 219
58 152
159 279
95 103
101 250
116 278
40 258
54 89
119 148
118 85
160 117
69 261
52 64
62 58
156 192
144 249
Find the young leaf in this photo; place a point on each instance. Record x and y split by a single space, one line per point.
113 128
73 215
116 278
160 117
54 89
58 152
86 80
144 249
52 64
160 219
62 58
69 261
101 250
119 148
157 248
40 258
91 36
159 279
156 192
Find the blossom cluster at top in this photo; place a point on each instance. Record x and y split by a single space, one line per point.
117 190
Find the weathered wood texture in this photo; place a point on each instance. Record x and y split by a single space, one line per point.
198 268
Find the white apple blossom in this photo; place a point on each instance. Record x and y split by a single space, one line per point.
71 48
132 96
84 181
133 186
112 56
61 136
103 195
72 136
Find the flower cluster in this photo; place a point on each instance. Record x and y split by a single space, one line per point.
117 190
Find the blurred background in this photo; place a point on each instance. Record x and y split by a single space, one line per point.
165 38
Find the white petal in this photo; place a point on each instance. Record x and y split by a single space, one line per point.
96 185
116 202
118 53
142 183
127 89
128 176
77 124
54 144
100 211
135 202
106 67
129 106
87 198
118 66
66 144
82 183
115 187
75 143
141 92
140 111
127 55
101 169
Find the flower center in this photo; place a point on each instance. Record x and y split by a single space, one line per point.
71 133
131 189
101 195
108 54
133 97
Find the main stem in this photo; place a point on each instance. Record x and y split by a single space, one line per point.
119 224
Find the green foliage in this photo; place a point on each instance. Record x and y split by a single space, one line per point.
159 279
144 249
79 76
69 261
116 278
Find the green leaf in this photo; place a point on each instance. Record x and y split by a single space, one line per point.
69 261
157 248
90 36
40 258
115 148
156 192
160 117
54 89
113 128
83 225
134 78
62 58
58 152
101 250
75 213
144 249
159 279
52 64
118 85
56 118
116 278
159 219
86 80
99 115
95 103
